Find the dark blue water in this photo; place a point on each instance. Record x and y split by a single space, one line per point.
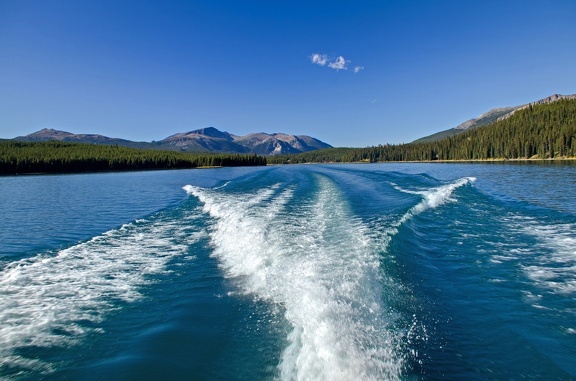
335 272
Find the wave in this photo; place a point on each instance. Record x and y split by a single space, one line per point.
432 198
544 250
320 265
53 300
556 269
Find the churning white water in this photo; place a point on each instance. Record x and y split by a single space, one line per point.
320 265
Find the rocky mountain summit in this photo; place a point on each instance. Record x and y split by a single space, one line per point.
207 139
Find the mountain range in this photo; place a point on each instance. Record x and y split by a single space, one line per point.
210 139
207 139
490 117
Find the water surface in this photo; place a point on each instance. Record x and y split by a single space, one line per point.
312 272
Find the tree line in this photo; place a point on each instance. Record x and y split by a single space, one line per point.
544 131
58 157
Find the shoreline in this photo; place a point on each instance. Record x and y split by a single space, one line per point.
471 161
500 160
104 171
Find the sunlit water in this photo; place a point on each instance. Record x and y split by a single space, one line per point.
319 272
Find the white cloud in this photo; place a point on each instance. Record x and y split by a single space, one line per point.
319 59
339 63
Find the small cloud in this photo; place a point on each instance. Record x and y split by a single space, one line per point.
319 59
339 64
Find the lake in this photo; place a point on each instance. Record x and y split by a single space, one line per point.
393 271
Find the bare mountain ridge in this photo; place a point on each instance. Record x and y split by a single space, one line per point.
207 139
486 118
48 134
489 117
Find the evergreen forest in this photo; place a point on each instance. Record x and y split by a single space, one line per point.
59 157
545 131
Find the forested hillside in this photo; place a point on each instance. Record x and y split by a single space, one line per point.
57 157
536 132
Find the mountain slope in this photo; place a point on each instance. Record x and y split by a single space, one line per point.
489 117
279 144
546 130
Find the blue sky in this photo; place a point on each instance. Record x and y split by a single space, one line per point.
351 73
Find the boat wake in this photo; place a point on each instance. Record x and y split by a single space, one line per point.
320 265
54 300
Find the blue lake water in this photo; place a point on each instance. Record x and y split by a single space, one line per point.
309 272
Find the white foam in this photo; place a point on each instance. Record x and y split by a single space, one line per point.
313 259
556 267
52 300
432 198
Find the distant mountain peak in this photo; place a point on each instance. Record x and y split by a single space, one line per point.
554 98
50 133
207 132
212 132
